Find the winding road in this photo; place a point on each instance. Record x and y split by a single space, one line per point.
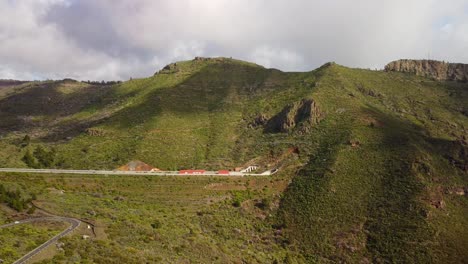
74 223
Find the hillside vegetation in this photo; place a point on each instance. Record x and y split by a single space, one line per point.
377 162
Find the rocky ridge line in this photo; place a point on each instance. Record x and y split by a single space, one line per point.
438 70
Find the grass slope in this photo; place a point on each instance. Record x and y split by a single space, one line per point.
373 187
141 219
377 180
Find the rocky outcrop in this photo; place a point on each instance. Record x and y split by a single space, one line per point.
218 59
438 70
259 120
95 132
170 68
302 114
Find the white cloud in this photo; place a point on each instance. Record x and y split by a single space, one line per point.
116 39
183 50
276 58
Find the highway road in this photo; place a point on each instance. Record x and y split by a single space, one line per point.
116 172
74 223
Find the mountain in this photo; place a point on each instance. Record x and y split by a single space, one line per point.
378 160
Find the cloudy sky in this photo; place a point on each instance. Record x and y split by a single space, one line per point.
118 39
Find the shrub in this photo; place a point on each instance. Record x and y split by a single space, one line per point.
31 210
238 197
45 158
156 224
25 142
29 159
13 199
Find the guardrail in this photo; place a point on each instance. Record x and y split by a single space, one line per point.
116 172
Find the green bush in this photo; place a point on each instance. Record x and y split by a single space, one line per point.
45 158
25 142
239 197
156 224
40 158
29 159
14 199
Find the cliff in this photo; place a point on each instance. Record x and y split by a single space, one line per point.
438 70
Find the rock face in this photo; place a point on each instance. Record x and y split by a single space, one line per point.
438 70
301 114
259 120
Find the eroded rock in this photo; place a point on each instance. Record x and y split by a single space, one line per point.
305 113
259 120
438 70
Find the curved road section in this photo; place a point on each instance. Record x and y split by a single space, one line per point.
74 223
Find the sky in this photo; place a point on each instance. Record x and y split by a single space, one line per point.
122 39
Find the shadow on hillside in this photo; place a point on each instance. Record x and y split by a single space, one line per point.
395 218
206 91
42 103
300 211
398 216
209 89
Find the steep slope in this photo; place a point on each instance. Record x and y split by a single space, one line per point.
379 184
183 119
381 174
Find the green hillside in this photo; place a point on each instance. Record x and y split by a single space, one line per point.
377 161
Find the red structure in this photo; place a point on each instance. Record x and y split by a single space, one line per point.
191 171
223 172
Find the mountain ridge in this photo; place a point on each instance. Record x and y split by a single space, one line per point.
435 69
376 154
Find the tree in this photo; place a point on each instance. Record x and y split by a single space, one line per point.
29 159
45 158
14 199
25 142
